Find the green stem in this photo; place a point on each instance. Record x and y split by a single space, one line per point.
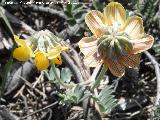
99 78
61 82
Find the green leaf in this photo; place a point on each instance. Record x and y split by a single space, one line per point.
68 14
69 8
107 91
75 17
51 73
66 75
79 14
105 99
87 94
71 22
6 74
75 95
78 7
5 20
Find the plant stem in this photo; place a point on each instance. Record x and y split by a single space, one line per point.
61 82
99 78
157 72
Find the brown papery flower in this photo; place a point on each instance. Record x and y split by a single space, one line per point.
117 40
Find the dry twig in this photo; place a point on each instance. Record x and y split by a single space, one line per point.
37 8
30 85
157 72
51 105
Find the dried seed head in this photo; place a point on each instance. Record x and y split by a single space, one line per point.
113 46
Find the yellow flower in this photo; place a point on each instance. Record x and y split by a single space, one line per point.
41 61
55 51
23 52
57 60
117 40
43 46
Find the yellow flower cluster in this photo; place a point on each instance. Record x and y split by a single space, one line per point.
43 48
117 39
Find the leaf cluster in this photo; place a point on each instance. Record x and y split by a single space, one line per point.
75 14
64 74
105 99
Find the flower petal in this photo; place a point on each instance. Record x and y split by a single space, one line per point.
55 51
24 44
115 67
41 61
21 53
95 21
57 60
91 60
87 45
130 61
140 45
19 41
134 27
30 51
114 12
